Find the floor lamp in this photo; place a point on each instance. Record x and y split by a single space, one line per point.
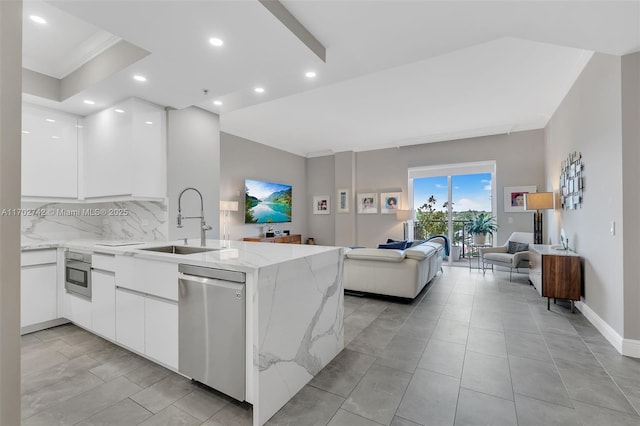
226 207
538 201
405 216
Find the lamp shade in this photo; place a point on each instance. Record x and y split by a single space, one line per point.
539 201
404 214
229 206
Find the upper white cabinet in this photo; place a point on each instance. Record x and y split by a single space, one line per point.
124 151
49 153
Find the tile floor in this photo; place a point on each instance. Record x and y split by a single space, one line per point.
469 350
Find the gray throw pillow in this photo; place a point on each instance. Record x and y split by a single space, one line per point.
515 247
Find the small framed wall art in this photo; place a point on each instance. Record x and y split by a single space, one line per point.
389 202
321 204
343 200
367 203
514 197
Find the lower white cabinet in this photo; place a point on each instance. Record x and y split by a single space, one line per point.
147 324
161 330
38 300
103 303
130 319
78 309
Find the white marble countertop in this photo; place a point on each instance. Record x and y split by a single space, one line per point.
236 255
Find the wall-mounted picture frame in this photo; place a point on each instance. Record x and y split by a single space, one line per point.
572 181
367 203
343 200
514 197
390 202
321 204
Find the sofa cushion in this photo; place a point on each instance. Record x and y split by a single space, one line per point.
515 247
397 245
376 254
420 252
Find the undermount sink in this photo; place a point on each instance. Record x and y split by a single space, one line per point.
180 249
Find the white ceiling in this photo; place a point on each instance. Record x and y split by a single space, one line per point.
397 72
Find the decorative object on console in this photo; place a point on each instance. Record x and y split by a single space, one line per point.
538 201
514 197
405 216
343 201
226 207
571 181
321 204
389 202
367 203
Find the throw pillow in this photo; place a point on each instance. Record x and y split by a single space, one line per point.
515 247
398 245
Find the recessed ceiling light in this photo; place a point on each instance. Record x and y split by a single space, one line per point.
118 110
259 90
50 120
310 74
37 19
89 102
25 132
139 78
55 137
218 103
148 122
216 41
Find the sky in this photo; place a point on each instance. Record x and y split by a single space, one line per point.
261 190
469 191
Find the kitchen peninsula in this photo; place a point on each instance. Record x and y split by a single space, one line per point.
293 317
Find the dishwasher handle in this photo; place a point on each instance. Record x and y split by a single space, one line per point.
213 273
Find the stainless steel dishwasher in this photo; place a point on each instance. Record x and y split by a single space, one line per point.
211 312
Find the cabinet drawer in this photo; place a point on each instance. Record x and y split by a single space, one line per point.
157 278
37 257
105 262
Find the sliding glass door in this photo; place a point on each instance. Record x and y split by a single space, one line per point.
446 198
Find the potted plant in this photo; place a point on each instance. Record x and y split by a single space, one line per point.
481 225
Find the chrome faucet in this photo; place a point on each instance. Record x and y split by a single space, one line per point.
203 225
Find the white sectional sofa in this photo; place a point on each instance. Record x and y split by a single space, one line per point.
400 273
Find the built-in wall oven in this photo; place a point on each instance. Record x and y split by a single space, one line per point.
78 273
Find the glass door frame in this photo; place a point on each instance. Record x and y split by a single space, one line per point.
450 170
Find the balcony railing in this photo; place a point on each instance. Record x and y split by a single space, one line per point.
460 234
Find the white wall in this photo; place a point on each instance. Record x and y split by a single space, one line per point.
244 159
193 139
10 119
589 121
519 161
631 191
320 181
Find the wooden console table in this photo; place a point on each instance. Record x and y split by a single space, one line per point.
555 273
287 239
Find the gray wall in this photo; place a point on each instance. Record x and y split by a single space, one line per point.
10 118
320 181
519 161
193 138
345 178
631 191
589 121
242 159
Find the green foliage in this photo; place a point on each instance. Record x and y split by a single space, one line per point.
483 223
429 220
249 202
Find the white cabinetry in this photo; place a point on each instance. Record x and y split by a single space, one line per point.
124 151
130 319
103 299
78 309
147 308
49 153
38 288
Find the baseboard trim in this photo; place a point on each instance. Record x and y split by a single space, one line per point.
627 347
631 348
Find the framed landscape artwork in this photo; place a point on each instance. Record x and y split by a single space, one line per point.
514 197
